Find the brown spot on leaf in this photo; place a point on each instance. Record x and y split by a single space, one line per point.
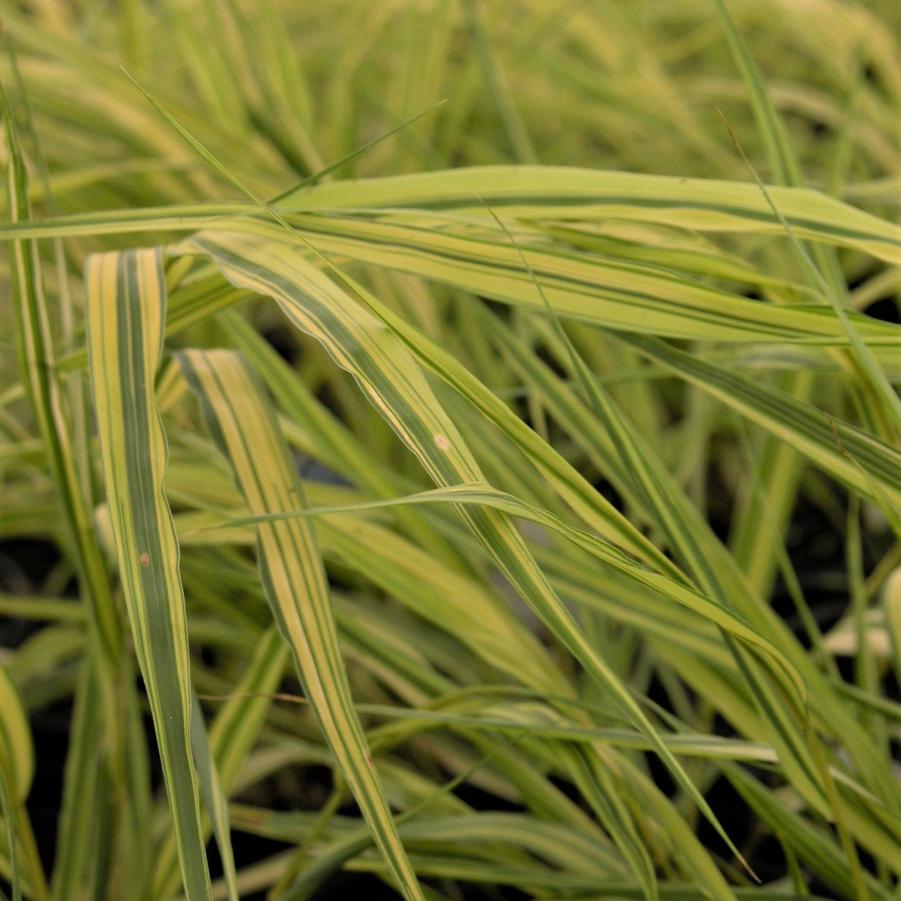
144 559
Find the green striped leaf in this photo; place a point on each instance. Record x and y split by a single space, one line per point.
592 289
549 192
539 192
239 417
126 308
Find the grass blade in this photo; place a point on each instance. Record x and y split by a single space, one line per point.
238 415
126 309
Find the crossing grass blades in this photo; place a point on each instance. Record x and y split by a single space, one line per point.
450 450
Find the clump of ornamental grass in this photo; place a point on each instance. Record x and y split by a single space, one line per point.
450 448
